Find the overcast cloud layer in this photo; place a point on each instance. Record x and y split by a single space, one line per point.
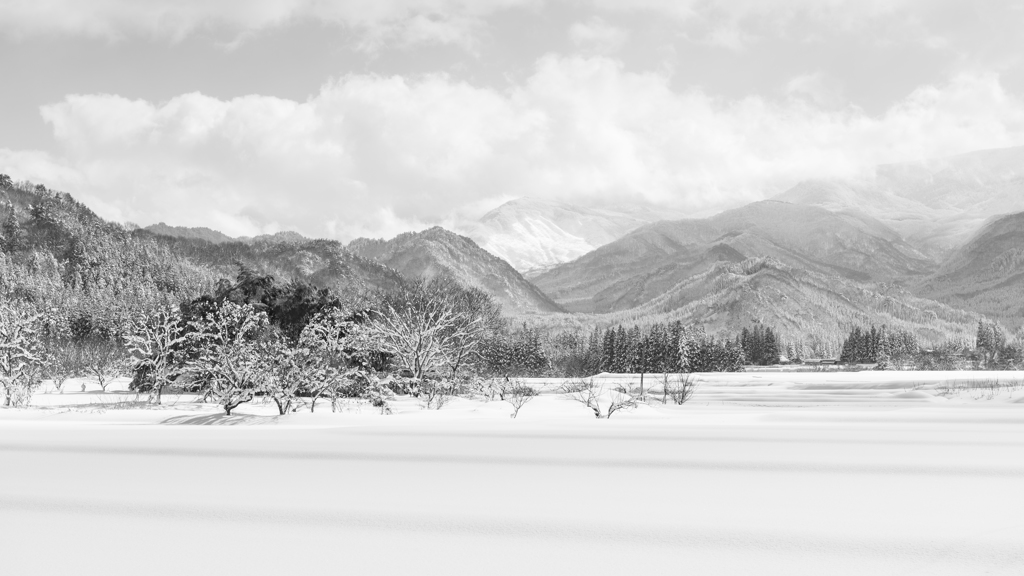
420 110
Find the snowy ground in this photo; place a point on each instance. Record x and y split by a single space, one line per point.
865 473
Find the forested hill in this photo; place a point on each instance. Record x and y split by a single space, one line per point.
191 233
986 274
437 251
323 263
58 253
649 262
55 248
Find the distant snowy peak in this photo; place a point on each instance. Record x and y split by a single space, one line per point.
534 235
937 204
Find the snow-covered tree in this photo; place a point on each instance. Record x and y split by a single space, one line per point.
433 326
156 345
228 359
21 355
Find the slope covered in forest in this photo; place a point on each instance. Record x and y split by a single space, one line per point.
437 251
986 275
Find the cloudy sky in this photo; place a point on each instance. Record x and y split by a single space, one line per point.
372 117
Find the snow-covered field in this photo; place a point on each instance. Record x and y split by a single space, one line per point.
770 473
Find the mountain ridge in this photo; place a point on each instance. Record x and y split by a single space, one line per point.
438 251
636 268
935 204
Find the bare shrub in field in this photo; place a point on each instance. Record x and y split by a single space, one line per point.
518 395
593 396
985 389
436 394
679 387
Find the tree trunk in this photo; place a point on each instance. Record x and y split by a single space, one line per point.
282 406
156 394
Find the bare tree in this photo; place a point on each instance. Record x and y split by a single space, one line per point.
518 396
63 362
104 360
475 315
433 326
290 369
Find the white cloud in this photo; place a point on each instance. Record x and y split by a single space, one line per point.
734 24
816 87
598 35
376 21
379 155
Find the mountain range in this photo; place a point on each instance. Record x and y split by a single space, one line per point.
936 205
922 245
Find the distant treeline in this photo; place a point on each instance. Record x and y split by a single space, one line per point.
656 348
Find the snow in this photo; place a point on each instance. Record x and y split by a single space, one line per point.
780 473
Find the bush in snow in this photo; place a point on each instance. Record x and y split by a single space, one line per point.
593 396
678 387
437 393
518 396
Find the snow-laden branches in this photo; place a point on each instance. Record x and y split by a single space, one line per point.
227 355
21 355
155 344
434 326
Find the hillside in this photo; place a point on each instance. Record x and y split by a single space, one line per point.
936 205
650 261
437 251
215 237
323 263
801 304
189 233
985 275
533 235
54 250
